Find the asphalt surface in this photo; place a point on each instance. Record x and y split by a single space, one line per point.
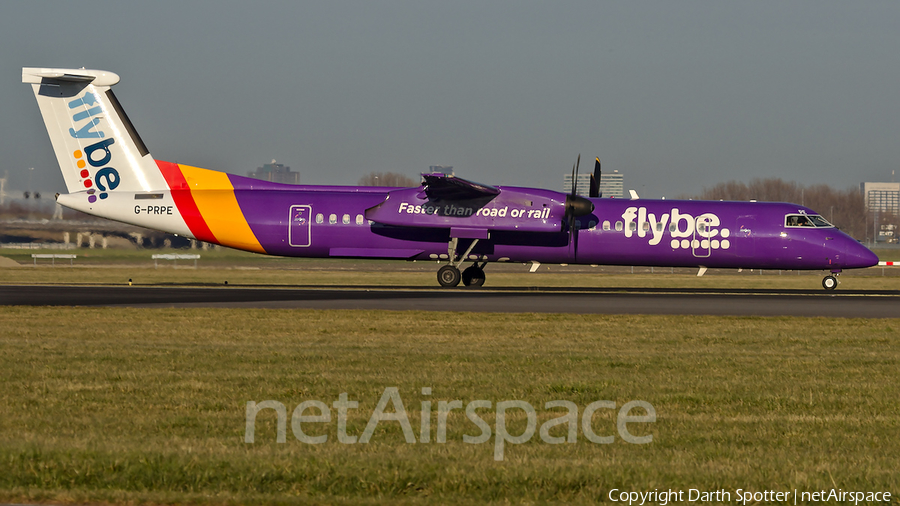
847 304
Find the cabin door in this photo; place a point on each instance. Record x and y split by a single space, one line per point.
299 230
700 246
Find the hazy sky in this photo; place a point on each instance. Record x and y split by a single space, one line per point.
676 95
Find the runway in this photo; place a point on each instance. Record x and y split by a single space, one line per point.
846 304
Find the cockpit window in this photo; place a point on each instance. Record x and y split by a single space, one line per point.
806 220
819 221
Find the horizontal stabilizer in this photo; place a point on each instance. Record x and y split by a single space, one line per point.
36 75
439 187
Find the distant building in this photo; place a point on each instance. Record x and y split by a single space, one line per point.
441 169
582 185
882 197
276 173
611 185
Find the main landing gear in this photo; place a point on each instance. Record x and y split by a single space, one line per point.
449 275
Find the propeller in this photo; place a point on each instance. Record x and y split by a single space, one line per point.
570 203
595 180
576 206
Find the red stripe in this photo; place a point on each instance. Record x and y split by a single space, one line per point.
181 193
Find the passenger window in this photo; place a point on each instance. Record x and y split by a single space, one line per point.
606 225
673 227
359 219
346 219
320 218
592 224
619 226
632 226
646 226
659 226
332 219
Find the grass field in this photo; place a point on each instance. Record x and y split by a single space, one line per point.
148 406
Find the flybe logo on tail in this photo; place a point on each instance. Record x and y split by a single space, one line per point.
91 109
97 155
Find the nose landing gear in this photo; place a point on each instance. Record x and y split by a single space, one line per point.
831 282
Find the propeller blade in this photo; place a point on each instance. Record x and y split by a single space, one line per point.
575 242
573 234
575 173
573 179
576 206
595 180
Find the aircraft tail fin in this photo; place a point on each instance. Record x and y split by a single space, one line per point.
96 145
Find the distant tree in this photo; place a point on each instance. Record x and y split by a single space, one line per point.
846 209
387 179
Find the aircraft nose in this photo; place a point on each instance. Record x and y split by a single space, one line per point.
858 256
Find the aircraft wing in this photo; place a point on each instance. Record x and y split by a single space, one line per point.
440 187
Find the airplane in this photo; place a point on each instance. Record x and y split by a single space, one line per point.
110 173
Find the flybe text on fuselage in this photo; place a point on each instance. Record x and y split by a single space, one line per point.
679 226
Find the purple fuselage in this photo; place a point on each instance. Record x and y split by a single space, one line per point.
524 224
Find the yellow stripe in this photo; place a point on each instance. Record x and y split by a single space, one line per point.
214 196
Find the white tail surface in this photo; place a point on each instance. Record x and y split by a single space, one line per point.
97 147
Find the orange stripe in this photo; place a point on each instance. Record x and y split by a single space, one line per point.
214 197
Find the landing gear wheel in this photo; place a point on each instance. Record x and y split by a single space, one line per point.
473 276
448 276
829 283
